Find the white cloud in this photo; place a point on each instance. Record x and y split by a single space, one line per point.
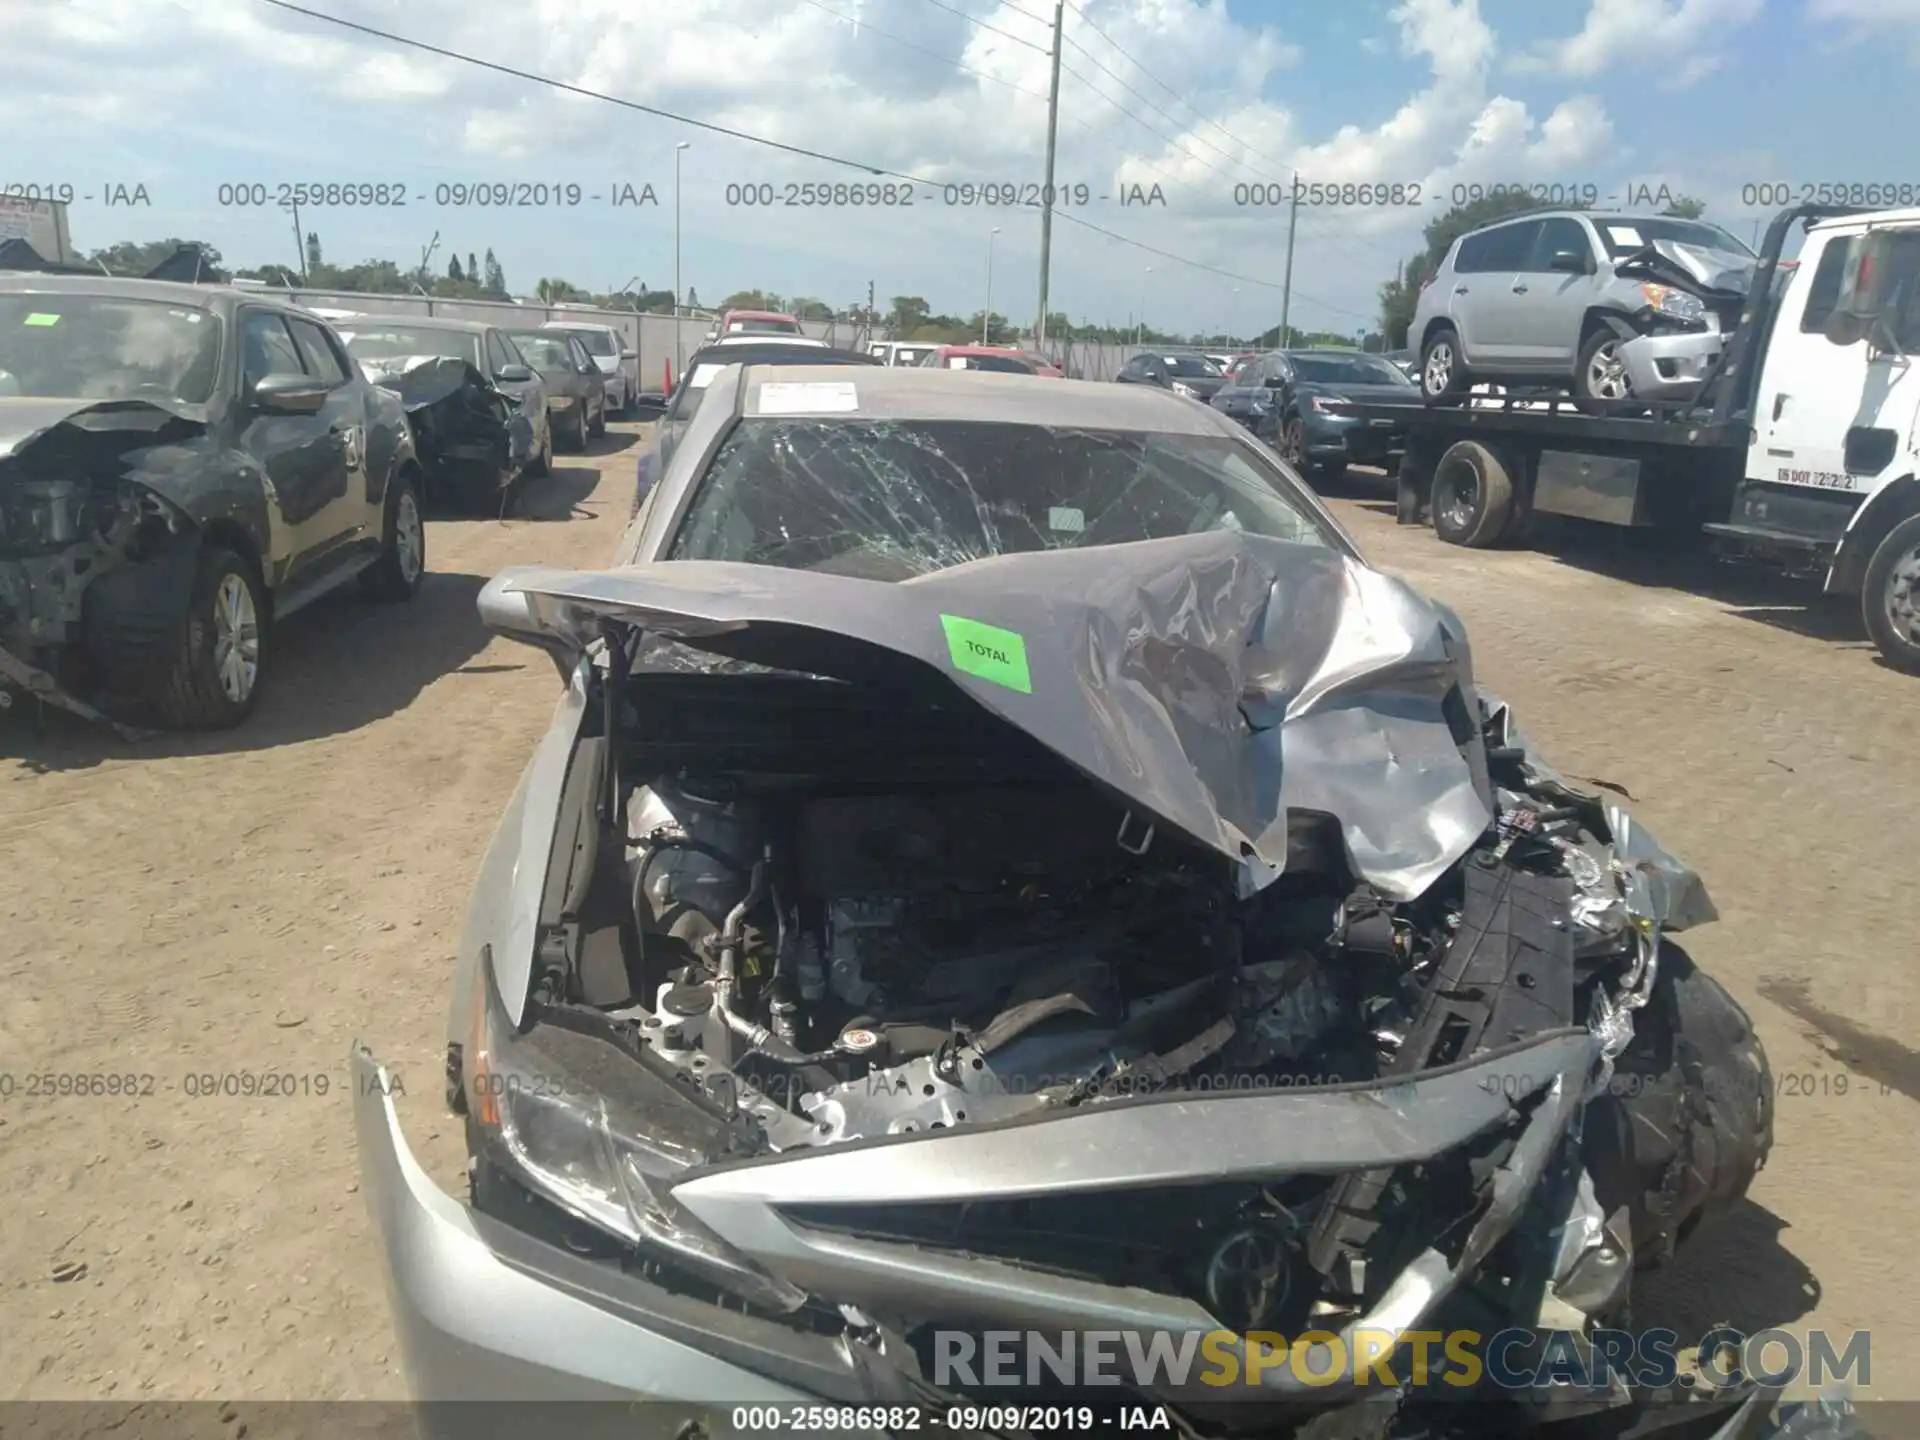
1864 19
145 71
1678 37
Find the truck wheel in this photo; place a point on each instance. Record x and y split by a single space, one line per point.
1890 596
220 649
1472 496
402 565
1443 373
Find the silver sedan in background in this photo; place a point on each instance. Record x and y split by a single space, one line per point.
576 387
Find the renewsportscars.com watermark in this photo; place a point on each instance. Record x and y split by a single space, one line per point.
1515 1359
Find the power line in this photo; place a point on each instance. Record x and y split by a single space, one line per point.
877 170
1121 51
991 29
858 23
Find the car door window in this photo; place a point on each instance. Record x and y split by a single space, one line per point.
1560 232
321 359
1824 291
1471 258
267 348
1508 245
498 355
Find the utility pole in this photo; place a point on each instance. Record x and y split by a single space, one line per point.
1046 194
299 242
1286 289
871 318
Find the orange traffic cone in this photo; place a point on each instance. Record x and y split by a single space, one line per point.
666 372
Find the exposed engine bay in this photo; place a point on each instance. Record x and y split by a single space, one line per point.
852 925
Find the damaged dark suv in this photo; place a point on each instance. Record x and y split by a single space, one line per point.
1004 862
181 466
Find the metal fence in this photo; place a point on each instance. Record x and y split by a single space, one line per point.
662 342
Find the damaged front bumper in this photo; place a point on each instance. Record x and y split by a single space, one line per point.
488 1312
1671 367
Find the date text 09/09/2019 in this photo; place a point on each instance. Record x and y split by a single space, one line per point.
454 194
961 1419
905 195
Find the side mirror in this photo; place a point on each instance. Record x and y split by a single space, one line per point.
510 613
514 374
1571 262
290 395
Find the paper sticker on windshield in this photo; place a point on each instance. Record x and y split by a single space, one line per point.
39 319
1065 517
988 652
1624 235
808 397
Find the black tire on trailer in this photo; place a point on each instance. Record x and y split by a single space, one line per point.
1890 596
1412 488
1473 496
220 648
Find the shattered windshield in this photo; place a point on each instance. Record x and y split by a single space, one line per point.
891 499
97 347
402 342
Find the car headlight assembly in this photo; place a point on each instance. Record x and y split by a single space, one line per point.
1674 304
1180 387
566 1113
1331 404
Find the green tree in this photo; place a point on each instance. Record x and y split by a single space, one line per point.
136 258
494 279
473 269
314 258
1685 207
454 272
803 307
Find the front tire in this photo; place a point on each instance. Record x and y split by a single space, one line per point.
1473 496
1599 379
218 666
600 420
1890 596
402 566
1443 370
577 429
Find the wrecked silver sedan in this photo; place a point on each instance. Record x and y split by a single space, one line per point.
181 466
1004 862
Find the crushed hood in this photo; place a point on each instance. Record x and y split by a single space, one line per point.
422 380
1692 267
1215 681
27 421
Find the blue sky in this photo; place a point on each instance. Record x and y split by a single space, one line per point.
184 96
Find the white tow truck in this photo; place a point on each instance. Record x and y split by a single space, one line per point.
1801 447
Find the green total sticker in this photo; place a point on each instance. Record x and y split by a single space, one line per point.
995 655
39 318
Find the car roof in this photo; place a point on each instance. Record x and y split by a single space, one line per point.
984 350
116 287
434 322
572 325
758 315
805 342
772 347
891 392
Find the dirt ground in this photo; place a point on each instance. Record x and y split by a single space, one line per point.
248 905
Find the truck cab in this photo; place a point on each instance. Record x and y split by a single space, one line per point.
1830 477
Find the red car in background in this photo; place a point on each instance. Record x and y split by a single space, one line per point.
991 357
755 322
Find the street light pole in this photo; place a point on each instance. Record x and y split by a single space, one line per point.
1140 322
986 318
676 240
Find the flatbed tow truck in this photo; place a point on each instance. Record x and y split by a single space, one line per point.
1800 450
